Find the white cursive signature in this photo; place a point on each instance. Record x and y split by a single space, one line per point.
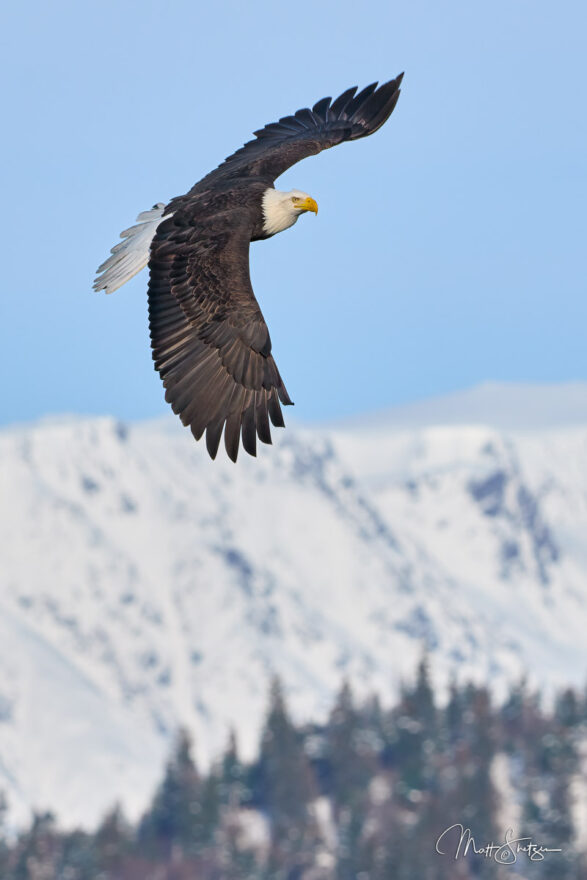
505 853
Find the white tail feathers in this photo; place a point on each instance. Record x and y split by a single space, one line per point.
132 254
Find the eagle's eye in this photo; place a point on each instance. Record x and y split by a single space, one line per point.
295 199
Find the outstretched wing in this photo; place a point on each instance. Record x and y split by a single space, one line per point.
280 145
209 339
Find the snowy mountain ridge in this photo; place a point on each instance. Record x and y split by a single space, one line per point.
145 586
507 406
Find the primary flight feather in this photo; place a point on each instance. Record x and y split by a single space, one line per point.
210 342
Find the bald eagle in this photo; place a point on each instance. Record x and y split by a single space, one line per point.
209 340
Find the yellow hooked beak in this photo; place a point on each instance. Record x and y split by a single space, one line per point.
308 205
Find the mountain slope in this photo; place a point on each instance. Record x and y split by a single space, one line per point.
144 586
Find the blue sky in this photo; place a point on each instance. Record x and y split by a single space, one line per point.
449 248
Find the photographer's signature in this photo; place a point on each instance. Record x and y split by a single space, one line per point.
505 853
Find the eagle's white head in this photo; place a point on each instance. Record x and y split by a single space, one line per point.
282 209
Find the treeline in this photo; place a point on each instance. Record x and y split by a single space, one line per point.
365 796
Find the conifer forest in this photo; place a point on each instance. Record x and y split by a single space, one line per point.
422 790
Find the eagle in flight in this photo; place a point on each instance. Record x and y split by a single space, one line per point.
210 342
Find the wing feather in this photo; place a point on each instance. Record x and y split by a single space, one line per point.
274 409
232 431
249 432
279 145
213 435
340 104
320 108
210 341
261 418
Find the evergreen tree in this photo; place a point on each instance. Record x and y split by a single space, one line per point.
453 715
551 763
38 850
351 757
349 753
234 790
4 848
423 697
285 788
78 858
209 816
113 842
568 708
172 824
415 737
373 726
475 798
521 717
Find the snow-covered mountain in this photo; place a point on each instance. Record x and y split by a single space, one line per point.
143 585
